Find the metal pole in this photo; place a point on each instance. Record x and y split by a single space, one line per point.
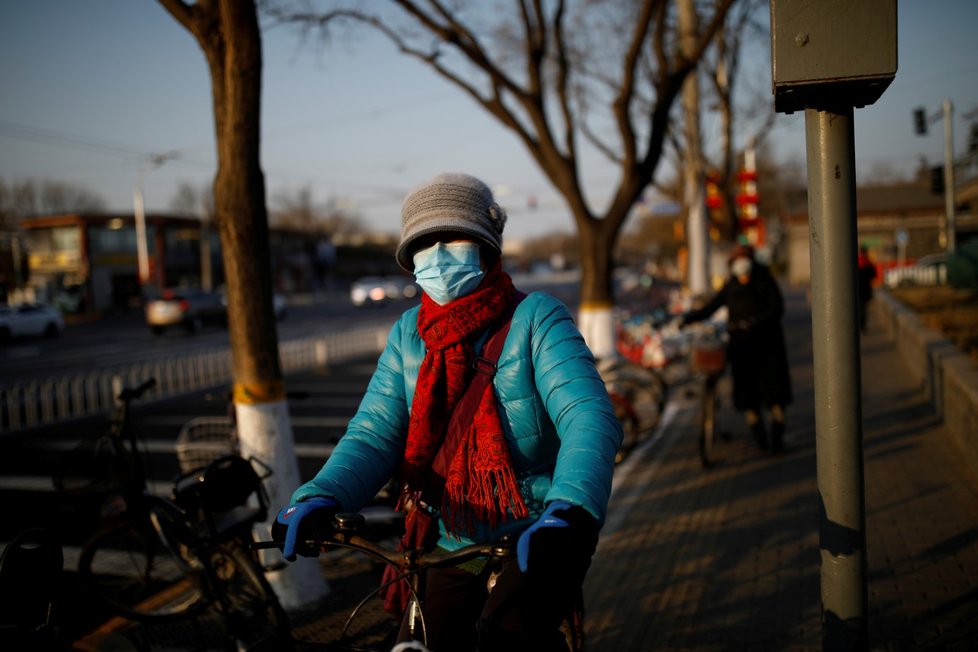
206 275
949 175
142 253
142 248
838 412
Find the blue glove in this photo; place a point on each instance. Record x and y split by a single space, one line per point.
547 520
303 521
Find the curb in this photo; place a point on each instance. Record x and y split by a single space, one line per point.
947 375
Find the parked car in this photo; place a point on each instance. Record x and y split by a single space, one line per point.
29 320
382 289
928 270
188 308
278 304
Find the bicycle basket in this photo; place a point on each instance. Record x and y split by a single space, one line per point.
219 497
203 440
708 356
228 483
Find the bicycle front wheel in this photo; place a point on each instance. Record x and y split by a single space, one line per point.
708 424
252 613
131 570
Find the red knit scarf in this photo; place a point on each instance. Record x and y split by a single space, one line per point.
481 482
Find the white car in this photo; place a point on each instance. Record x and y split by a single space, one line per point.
371 290
29 320
186 307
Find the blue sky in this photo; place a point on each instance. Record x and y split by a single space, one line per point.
91 88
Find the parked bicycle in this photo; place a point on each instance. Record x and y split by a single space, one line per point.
349 533
657 344
157 558
638 395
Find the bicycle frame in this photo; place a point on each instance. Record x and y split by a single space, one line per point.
707 362
411 565
128 468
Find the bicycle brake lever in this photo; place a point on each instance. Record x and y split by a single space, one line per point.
349 522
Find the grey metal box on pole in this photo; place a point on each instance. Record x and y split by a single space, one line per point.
831 52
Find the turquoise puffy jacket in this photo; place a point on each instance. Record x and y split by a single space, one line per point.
559 422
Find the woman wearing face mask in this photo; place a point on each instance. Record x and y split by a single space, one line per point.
535 461
758 359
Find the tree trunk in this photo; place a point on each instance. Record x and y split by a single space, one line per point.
596 312
694 193
228 32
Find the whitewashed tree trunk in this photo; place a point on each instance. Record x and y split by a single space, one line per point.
597 325
265 433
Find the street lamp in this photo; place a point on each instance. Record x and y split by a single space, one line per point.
142 249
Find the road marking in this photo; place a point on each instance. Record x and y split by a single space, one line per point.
633 475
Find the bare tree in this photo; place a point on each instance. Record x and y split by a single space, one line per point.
722 67
296 210
32 197
560 75
192 200
228 33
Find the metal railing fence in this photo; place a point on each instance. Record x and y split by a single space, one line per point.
48 401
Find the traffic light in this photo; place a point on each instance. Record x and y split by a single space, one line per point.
920 122
937 179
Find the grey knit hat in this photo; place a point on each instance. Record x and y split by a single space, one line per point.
450 203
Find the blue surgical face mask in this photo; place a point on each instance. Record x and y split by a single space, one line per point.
447 271
741 266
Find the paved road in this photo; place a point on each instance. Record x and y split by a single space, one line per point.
124 339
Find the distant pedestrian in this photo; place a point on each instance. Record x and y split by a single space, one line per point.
758 359
867 274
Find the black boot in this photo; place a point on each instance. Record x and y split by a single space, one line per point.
760 434
777 437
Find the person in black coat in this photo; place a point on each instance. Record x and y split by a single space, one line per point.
867 274
757 354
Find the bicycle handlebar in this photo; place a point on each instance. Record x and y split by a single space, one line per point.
346 536
132 393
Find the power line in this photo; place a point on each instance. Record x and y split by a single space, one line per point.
67 140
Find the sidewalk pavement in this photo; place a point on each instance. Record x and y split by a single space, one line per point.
728 558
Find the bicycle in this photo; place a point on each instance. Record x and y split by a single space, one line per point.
158 559
638 395
347 533
707 362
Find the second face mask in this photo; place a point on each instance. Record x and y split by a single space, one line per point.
447 271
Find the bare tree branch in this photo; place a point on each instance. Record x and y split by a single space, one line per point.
545 97
181 11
